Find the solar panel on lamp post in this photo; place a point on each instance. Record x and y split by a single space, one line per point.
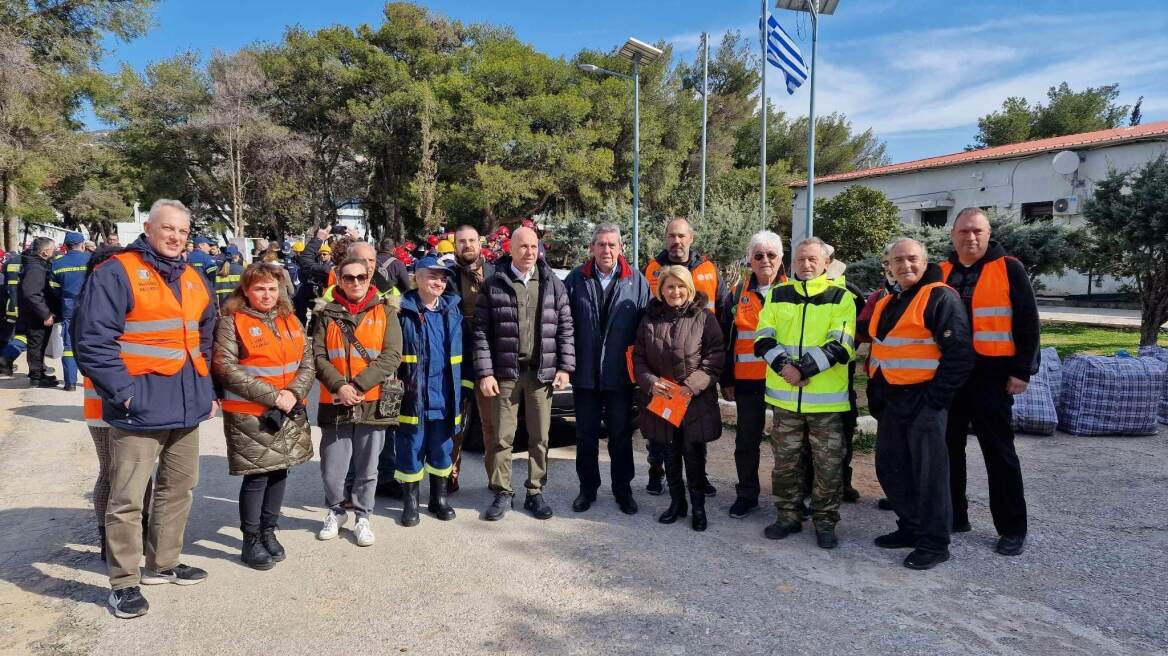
815 8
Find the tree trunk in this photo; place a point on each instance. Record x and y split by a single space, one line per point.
8 213
1154 302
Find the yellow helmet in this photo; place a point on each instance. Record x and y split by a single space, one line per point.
445 246
325 248
298 247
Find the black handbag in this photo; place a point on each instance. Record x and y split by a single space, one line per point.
392 388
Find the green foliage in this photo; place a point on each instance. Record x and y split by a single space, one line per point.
858 221
1044 247
1128 216
1066 112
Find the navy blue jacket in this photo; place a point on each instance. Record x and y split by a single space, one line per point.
600 347
12 285
157 402
203 263
68 278
418 352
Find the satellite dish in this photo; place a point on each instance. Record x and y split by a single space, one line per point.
1066 162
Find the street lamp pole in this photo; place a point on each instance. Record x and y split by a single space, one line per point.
637 161
705 111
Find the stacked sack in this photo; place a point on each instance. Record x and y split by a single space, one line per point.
1159 353
1034 410
1110 395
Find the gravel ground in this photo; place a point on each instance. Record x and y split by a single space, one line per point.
1092 580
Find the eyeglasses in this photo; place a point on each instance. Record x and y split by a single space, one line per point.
353 280
758 257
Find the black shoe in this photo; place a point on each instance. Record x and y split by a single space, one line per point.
410 516
677 506
254 554
884 504
46 382
503 502
778 530
1011 545
439 507
709 490
537 505
897 539
826 538
7 369
698 501
179 575
583 502
391 489
851 494
101 537
627 505
268 537
961 526
656 474
128 602
69 388
925 559
742 507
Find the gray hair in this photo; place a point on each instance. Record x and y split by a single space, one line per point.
605 229
679 218
816 241
765 238
360 244
900 240
41 243
167 202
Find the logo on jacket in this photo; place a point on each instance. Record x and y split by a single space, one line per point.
255 331
143 274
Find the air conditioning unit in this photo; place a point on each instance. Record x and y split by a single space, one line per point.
1068 205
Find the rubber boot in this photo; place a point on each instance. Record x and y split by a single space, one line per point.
409 515
254 554
101 537
677 506
438 505
698 499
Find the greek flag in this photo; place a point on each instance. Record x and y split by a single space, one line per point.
784 54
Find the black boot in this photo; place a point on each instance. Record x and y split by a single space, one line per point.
101 536
410 504
268 537
656 473
254 554
698 499
677 506
438 505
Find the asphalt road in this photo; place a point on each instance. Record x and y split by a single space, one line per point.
1094 579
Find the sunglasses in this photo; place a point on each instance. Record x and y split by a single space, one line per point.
758 257
352 280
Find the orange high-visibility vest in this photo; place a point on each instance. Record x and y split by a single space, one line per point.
371 333
908 354
161 332
747 365
332 278
92 405
705 278
271 357
993 316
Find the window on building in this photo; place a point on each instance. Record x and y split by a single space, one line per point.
935 218
1032 212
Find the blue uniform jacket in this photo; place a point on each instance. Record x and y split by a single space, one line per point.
203 263
68 278
600 349
417 351
12 285
157 402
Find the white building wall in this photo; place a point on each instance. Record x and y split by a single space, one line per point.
1002 184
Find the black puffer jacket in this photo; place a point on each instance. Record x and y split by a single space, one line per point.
496 326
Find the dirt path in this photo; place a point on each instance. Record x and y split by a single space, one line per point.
1094 579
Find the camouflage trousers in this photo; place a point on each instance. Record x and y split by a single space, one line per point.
825 434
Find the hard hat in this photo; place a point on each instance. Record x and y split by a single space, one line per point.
432 240
298 247
445 246
503 231
325 248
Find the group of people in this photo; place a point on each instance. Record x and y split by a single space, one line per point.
407 365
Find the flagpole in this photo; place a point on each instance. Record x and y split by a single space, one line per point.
705 111
763 138
813 5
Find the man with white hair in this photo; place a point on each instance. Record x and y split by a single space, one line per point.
145 324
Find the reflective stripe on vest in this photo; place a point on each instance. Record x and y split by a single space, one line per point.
370 333
273 357
161 333
705 278
993 316
91 407
908 354
747 365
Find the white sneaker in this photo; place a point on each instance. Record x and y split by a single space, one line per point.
332 525
364 533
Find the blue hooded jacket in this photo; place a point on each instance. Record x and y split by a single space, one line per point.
419 351
157 402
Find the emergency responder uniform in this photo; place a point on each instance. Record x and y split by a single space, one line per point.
227 277
67 279
17 341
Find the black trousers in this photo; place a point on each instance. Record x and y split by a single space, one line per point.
912 464
616 408
689 457
750 402
260 498
658 453
38 341
984 404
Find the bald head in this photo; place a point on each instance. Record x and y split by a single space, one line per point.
970 235
524 248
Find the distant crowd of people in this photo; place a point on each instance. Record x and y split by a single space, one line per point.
412 352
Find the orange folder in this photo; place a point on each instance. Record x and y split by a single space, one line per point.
670 409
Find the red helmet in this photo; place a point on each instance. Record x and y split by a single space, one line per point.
410 246
432 240
503 231
506 245
528 223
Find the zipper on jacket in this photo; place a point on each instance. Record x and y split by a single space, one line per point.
802 332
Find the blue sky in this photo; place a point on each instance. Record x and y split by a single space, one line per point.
919 72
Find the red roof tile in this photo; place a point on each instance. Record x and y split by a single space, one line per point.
1070 141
